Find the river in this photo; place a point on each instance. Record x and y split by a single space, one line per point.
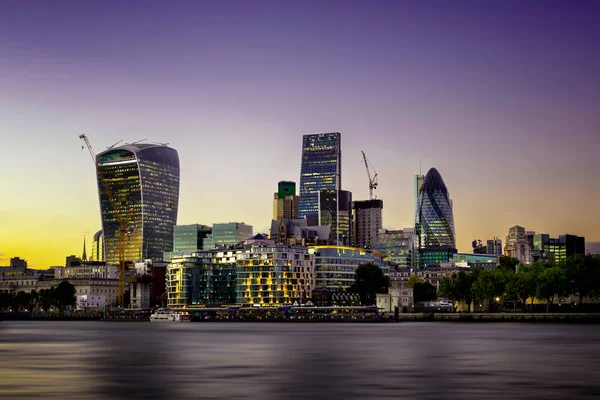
419 360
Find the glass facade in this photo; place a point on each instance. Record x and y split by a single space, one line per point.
230 234
274 275
434 223
143 178
558 248
321 169
330 213
97 247
335 266
397 245
202 278
189 237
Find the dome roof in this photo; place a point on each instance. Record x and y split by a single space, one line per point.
433 181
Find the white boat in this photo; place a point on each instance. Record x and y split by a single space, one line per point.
167 315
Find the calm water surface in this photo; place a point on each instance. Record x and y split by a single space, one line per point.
108 360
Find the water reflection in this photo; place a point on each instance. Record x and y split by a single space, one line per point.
108 360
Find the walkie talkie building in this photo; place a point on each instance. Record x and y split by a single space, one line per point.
143 178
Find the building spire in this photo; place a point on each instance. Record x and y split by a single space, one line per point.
84 255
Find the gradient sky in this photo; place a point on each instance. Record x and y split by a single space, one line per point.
503 98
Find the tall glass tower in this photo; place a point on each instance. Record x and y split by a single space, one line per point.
434 223
321 169
143 178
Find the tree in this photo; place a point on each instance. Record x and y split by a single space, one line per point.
551 282
508 263
368 281
64 295
583 273
522 284
424 292
46 298
490 284
413 280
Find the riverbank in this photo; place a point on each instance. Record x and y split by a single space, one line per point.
502 317
593 318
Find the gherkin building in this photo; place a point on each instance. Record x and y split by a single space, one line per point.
434 222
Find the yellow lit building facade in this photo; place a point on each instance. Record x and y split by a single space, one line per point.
274 275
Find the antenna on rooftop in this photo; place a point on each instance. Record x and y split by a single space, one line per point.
137 141
110 147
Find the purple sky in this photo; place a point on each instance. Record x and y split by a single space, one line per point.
502 97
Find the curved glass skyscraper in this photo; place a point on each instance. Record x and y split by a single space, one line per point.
143 178
434 221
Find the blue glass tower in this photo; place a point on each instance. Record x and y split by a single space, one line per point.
321 169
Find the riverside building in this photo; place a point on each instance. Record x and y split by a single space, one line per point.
274 275
202 278
335 266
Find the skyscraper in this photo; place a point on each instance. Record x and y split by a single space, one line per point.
335 207
321 169
144 181
367 222
285 201
434 223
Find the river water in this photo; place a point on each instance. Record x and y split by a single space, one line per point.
420 360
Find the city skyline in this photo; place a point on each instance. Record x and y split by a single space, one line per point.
501 99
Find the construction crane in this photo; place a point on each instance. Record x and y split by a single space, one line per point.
123 221
372 179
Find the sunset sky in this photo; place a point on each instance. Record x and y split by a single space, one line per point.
503 98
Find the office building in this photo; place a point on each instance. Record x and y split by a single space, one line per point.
367 222
285 201
144 182
274 275
397 245
189 238
493 246
229 234
434 223
86 270
97 247
481 261
297 232
321 169
335 266
335 209
558 248
16 267
517 244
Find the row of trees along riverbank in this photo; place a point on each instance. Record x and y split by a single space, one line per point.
577 277
60 297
